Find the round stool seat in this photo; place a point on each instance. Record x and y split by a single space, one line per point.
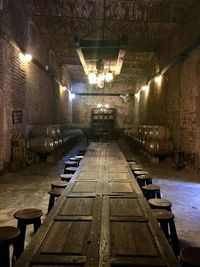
130 159
144 180
71 170
28 214
137 173
151 187
151 191
8 234
160 203
76 160
72 159
131 163
190 257
66 177
58 184
56 192
79 157
70 163
136 168
82 152
162 214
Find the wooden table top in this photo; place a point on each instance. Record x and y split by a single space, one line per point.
101 219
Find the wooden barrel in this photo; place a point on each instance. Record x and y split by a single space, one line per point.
159 132
160 147
45 131
42 144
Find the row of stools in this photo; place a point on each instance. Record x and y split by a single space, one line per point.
15 236
10 235
70 167
162 209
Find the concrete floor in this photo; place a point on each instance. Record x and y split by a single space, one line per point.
30 189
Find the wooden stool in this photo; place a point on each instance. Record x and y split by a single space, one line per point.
130 163
144 180
79 158
166 220
151 191
70 163
58 184
70 170
54 193
160 203
136 168
8 236
130 159
76 160
138 173
66 177
26 217
190 257
82 152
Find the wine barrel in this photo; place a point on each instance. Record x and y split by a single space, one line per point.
160 147
42 144
159 132
46 131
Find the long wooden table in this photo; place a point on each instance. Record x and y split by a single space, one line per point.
101 219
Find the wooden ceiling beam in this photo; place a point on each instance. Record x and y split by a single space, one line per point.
145 22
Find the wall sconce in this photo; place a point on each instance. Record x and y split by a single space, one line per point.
145 88
25 57
158 79
137 95
71 96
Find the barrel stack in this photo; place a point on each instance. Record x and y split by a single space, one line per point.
45 139
152 139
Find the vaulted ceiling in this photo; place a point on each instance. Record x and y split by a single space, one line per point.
147 24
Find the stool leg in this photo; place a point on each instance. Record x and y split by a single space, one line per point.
4 256
19 246
174 238
36 224
149 181
158 194
51 203
164 227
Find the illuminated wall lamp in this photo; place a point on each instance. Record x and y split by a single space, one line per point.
145 88
137 94
158 79
25 57
92 78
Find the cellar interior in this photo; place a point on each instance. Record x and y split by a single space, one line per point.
78 72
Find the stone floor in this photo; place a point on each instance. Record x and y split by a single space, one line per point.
30 189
